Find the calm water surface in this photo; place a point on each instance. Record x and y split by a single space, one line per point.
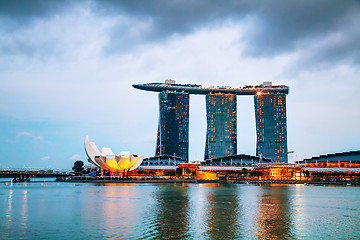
50 210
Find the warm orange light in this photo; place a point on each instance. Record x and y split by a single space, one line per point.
258 93
204 175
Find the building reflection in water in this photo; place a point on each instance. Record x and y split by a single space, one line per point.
298 209
120 211
172 213
222 213
274 213
24 209
15 213
8 213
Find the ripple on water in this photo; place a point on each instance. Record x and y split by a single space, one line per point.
162 211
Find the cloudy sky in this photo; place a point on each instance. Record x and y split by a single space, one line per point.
66 70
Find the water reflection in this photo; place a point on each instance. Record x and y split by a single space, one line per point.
299 214
176 211
222 213
274 213
121 210
24 208
172 213
9 206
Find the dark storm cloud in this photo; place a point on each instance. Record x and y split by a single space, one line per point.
168 18
275 27
22 12
19 15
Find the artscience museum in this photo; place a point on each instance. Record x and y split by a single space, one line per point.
107 160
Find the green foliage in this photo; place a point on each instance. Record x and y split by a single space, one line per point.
169 173
187 170
179 171
256 173
146 172
78 166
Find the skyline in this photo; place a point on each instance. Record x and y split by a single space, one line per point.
67 70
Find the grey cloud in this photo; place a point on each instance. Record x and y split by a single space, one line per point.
277 27
282 24
24 11
17 17
169 18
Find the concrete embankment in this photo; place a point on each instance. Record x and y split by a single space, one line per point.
119 180
291 182
174 180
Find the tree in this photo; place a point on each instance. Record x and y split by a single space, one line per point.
179 171
187 170
169 173
78 166
256 173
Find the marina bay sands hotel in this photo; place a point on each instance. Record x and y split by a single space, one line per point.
221 114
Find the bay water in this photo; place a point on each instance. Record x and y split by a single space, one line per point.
58 210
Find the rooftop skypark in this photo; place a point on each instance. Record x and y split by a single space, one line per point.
170 85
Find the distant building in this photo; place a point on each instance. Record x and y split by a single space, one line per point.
349 159
270 114
163 160
239 160
221 125
173 129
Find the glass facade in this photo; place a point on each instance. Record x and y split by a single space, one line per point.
221 125
173 130
270 114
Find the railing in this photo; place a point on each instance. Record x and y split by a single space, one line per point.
35 170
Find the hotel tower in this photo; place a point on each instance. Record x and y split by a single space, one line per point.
221 125
221 139
173 129
270 115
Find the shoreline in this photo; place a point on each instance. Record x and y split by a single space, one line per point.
194 181
207 181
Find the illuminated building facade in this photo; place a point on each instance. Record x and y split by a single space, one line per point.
281 171
270 114
221 125
107 160
221 140
349 159
173 129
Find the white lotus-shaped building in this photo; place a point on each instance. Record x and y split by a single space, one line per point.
106 159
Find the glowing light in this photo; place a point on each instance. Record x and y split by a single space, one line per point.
258 93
